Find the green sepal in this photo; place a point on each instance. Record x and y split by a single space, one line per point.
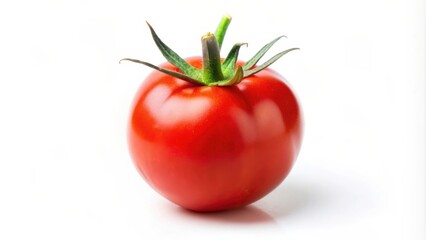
250 63
164 70
267 63
175 59
228 65
235 79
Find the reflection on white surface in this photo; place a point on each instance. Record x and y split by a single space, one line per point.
245 216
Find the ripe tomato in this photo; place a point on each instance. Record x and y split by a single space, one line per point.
210 133
211 148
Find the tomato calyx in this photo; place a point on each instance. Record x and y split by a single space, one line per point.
214 72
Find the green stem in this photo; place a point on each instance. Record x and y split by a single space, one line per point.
212 70
221 29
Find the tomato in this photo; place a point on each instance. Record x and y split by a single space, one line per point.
213 148
211 133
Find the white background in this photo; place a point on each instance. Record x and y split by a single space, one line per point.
65 172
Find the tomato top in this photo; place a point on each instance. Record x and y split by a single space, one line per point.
215 71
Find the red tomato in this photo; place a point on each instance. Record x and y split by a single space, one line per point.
210 148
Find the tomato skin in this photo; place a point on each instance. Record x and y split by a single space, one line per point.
211 148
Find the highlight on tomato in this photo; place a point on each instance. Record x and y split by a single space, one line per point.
211 133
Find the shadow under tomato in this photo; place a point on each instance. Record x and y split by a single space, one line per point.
245 215
286 200
320 195
289 199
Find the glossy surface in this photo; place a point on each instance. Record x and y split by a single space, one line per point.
214 148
